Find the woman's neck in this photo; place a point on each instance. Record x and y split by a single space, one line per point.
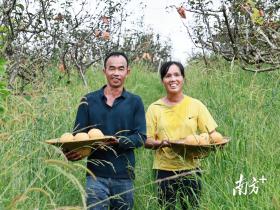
172 99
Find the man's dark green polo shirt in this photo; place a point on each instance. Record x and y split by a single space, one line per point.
126 118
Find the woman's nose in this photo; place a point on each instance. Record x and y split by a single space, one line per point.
173 77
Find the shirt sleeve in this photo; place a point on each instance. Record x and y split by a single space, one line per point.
206 123
137 137
82 117
151 123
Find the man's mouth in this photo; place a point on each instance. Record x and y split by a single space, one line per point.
116 79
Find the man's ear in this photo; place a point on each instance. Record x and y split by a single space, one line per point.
128 71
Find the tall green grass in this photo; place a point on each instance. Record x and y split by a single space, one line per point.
34 175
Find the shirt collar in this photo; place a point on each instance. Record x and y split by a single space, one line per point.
123 95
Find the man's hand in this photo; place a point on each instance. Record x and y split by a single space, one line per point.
111 141
73 155
108 143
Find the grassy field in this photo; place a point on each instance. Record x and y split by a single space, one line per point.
246 106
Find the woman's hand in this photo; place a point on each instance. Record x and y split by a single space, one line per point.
165 143
155 144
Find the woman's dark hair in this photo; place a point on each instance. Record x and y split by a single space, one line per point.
165 67
112 54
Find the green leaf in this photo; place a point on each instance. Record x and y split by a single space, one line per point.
2 61
2 84
256 18
251 3
20 6
1 109
4 92
28 97
4 29
2 66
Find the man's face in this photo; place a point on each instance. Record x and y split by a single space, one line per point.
116 71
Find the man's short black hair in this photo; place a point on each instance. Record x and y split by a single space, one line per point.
112 54
165 67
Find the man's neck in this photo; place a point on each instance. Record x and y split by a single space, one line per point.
113 92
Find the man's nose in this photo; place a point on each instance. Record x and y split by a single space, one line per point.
116 72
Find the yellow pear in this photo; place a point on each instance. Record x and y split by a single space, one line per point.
192 140
204 139
95 133
67 137
216 137
81 136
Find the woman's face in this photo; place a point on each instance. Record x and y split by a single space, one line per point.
173 81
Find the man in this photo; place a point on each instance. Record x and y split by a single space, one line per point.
114 111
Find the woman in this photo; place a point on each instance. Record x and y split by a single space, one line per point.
172 118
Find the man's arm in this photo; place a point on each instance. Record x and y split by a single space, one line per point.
137 137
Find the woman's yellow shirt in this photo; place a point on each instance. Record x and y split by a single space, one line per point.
165 122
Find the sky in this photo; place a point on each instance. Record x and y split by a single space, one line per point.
165 22
168 23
